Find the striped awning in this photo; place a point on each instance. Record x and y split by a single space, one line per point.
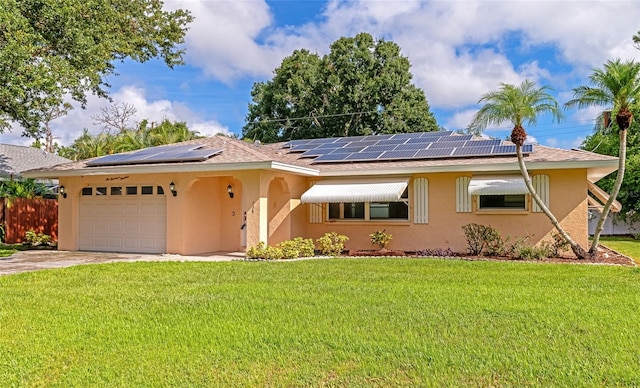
497 185
370 190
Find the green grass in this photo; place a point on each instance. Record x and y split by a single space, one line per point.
339 322
625 245
6 252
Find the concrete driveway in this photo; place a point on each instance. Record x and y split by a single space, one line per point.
25 261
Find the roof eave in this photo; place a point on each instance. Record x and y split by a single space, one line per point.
596 169
164 168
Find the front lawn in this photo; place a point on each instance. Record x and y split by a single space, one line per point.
626 245
326 322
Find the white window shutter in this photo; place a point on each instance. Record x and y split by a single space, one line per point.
463 199
541 185
316 213
421 201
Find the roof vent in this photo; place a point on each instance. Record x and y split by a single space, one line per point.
257 142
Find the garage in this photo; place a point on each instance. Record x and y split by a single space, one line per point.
123 219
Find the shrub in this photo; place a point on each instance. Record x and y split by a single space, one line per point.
481 237
528 252
380 238
263 251
332 243
559 244
33 239
298 247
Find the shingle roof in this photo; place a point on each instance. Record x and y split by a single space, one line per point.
15 159
237 153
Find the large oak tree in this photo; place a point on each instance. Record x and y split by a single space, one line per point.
53 48
361 87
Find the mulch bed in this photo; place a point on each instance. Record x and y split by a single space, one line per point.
605 256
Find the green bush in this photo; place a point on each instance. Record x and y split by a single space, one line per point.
298 247
528 252
263 251
558 245
332 243
380 238
33 239
480 238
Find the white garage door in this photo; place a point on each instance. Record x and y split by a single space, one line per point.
123 219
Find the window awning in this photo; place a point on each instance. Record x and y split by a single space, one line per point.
370 190
497 185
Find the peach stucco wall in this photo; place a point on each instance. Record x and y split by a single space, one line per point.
202 218
568 193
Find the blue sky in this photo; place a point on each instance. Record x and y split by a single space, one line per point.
459 50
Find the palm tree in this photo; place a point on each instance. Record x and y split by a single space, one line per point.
616 87
519 105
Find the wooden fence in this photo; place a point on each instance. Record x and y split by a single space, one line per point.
22 214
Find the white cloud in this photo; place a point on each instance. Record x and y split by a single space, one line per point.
66 129
574 142
457 48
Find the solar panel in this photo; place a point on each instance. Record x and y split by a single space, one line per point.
504 149
478 143
160 154
301 147
472 151
351 148
527 148
399 154
396 141
363 156
402 146
414 146
381 148
455 138
439 152
363 143
447 144
434 134
330 158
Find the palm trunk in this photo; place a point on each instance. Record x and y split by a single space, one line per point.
614 191
575 247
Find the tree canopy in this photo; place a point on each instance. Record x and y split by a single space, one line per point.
607 142
50 49
617 88
146 135
361 87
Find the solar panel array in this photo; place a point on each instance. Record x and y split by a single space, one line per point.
401 146
160 154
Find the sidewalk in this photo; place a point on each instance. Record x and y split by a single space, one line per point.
24 261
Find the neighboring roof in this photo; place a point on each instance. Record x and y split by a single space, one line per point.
240 155
15 159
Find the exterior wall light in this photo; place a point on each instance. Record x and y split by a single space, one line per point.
63 191
172 188
230 191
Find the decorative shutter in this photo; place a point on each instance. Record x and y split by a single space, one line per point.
421 201
541 185
316 213
463 199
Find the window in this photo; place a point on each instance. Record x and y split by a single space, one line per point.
101 191
370 210
509 202
132 190
87 191
116 191
146 190
160 190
